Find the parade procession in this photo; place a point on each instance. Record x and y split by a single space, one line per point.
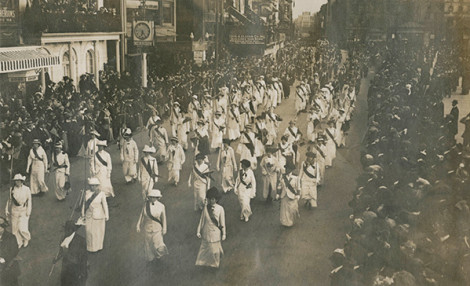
265 145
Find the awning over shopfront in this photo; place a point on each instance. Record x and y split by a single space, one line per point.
25 58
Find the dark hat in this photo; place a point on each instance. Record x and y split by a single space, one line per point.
213 193
245 163
311 154
226 141
454 102
200 156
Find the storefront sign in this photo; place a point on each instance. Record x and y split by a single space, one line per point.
247 39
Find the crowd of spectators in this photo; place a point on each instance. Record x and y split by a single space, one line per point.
68 16
410 221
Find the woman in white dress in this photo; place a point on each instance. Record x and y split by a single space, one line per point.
102 168
289 194
309 176
217 130
226 162
211 230
245 189
233 122
153 220
95 213
331 144
37 167
19 205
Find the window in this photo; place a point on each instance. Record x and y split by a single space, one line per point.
89 62
66 64
168 11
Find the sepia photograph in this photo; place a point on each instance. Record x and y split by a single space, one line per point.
235 142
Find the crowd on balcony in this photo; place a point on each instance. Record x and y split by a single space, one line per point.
68 16
410 213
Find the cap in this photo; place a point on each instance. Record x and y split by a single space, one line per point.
93 181
19 177
149 149
154 193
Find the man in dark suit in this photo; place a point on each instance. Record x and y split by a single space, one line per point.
454 118
74 257
9 268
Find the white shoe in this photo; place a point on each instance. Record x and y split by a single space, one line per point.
26 243
246 219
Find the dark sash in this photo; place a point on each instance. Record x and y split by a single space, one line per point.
252 107
242 109
331 136
271 117
37 155
147 167
300 96
213 219
159 133
149 214
250 145
15 202
288 185
233 113
219 127
292 132
198 172
310 175
90 200
248 186
320 151
101 159
56 164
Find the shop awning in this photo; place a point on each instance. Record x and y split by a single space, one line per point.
25 58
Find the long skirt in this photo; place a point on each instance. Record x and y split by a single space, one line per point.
37 177
60 192
154 246
269 186
209 254
95 229
129 169
289 211
19 226
200 189
147 184
321 166
162 152
309 191
105 183
244 200
330 153
227 178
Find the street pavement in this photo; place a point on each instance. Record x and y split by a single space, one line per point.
259 252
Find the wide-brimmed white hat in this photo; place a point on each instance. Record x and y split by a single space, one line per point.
149 149
94 132
102 143
93 181
128 132
19 177
154 193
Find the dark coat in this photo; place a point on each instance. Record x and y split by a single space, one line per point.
74 263
10 270
454 120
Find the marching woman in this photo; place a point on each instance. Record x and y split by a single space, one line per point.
233 119
176 161
270 171
245 189
148 170
218 130
61 167
330 143
246 147
211 230
129 157
201 138
309 176
285 154
289 194
199 180
37 167
272 125
227 163
95 212
194 108
153 220
20 203
102 168
159 139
